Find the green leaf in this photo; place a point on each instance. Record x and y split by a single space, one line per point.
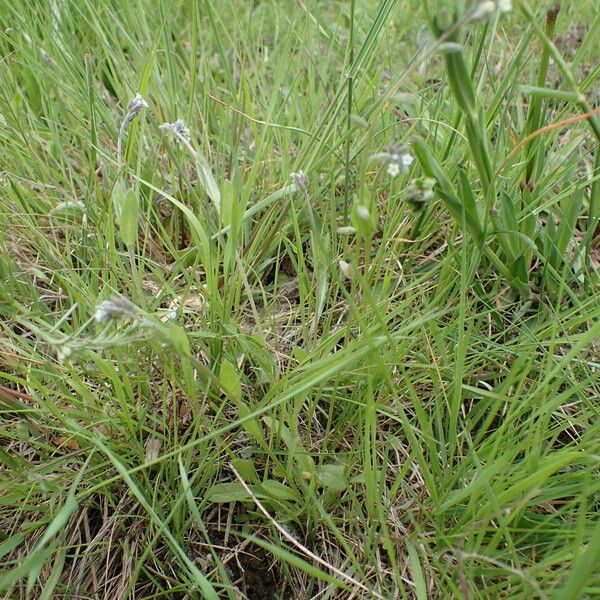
511 227
546 467
177 338
16 466
67 212
570 209
250 424
11 543
470 206
332 477
279 491
119 192
548 237
33 562
59 521
208 181
56 526
230 380
293 443
460 81
130 214
227 492
205 584
184 560
409 103
455 208
417 572
430 165
518 269
229 207
584 565
551 93
246 469
52 581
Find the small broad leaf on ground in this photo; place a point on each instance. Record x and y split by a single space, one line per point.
279 490
227 492
332 477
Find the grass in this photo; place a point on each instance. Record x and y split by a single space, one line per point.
337 385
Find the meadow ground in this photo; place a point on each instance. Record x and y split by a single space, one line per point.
299 299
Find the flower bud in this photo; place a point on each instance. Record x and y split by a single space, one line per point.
362 212
346 269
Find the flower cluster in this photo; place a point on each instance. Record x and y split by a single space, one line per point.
180 132
397 157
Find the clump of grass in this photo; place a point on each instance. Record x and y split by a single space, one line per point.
357 357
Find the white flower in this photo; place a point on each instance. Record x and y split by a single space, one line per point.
399 163
505 6
405 161
393 169
397 157
173 308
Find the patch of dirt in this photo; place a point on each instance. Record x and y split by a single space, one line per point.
259 580
253 572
